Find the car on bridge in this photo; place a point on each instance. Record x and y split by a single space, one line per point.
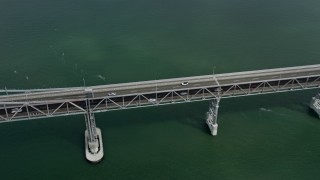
152 100
112 94
183 93
15 110
184 83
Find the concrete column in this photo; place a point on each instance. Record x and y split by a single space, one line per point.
92 133
93 137
212 116
315 104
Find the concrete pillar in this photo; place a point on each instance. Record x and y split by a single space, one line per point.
315 104
212 116
93 136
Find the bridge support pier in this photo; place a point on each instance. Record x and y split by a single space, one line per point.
315 104
93 136
212 116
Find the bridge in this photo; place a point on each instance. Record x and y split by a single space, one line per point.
17 105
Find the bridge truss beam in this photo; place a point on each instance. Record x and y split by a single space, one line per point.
35 109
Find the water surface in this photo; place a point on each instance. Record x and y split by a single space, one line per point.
59 43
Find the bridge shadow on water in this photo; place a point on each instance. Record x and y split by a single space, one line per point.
194 114
50 139
312 113
298 101
70 129
64 136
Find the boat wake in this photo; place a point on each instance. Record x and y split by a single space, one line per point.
265 109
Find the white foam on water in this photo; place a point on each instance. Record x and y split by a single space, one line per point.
265 109
101 77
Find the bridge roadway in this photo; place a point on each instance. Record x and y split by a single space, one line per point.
66 101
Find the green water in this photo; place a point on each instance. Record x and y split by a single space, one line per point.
58 43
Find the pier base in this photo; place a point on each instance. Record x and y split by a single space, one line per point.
94 150
213 128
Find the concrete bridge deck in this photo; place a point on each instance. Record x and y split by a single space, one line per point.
169 84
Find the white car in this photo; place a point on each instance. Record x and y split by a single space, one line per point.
183 93
184 83
16 110
152 100
112 94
